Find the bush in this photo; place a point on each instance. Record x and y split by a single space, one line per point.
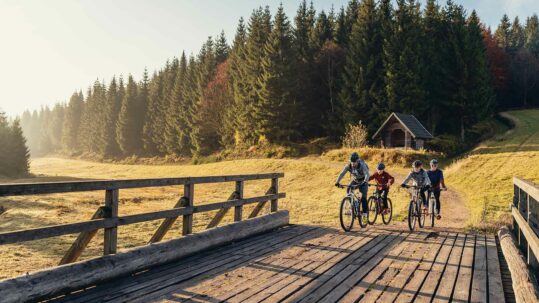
355 136
389 156
448 144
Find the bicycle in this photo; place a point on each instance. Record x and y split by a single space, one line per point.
376 207
415 210
432 209
350 209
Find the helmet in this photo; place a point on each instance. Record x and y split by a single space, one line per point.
433 161
417 163
381 166
354 157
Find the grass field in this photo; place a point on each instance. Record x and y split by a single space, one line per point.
485 176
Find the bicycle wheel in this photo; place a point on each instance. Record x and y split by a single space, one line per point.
363 220
432 210
373 210
412 215
386 216
421 213
347 214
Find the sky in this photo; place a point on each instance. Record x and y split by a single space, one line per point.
51 48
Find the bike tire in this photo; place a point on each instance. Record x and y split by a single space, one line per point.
363 223
432 209
386 218
411 216
346 226
373 210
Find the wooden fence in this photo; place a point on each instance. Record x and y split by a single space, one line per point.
106 217
525 211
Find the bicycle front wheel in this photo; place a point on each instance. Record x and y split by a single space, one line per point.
421 212
412 215
347 214
432 210
373 210
388 214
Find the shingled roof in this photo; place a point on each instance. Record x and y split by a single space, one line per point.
410 122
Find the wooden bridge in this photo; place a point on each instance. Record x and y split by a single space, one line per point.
265 259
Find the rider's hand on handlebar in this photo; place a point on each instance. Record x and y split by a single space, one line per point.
337 184
404 186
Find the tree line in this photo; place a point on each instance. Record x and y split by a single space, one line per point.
290 80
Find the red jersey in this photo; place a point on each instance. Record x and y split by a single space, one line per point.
382 179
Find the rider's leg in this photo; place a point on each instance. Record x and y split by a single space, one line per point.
364 191
422 193
437 197
384 196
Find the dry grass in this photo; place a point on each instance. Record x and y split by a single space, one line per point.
485 177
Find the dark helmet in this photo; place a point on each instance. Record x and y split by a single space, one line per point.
354 157
381 166
417 163
434 161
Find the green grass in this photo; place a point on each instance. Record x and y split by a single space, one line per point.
485 177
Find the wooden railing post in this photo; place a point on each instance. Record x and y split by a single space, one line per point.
188 193
238 210
275 187
111 234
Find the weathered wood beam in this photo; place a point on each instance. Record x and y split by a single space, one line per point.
73 228
524 283
275 202
529 187
49 282
167 223
238 210
110 242
261 204
526 230
189 194
222 212
76 249
78 186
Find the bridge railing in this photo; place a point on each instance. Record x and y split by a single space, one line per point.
525 212
106 216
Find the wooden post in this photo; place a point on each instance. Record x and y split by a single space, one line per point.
238 210
167 223
76 249
111 234
275 187
188 193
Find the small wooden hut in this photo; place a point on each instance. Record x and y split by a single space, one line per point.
402 131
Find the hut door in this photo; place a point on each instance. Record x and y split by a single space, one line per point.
397 138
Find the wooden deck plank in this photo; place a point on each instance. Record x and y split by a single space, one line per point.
162 285
320 270
370 273
428 288
449 277
156 275
495 287
411 288
464 281
344 269
398 283
479 281
251 275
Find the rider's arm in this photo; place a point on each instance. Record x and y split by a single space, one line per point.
341 175
390 179
372 177
427 179
407 179
442 180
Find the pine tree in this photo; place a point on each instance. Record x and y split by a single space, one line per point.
363 86
276 92
72 121
221 48
128 135
19 155
503 33
5 137
322 32
517 36
155 118
176 138
532 35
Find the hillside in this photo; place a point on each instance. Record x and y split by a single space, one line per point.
485 176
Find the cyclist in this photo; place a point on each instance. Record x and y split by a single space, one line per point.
360 171
420 178
383 181
436 177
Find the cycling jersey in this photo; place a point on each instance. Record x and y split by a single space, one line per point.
360 173
382 179
421 178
